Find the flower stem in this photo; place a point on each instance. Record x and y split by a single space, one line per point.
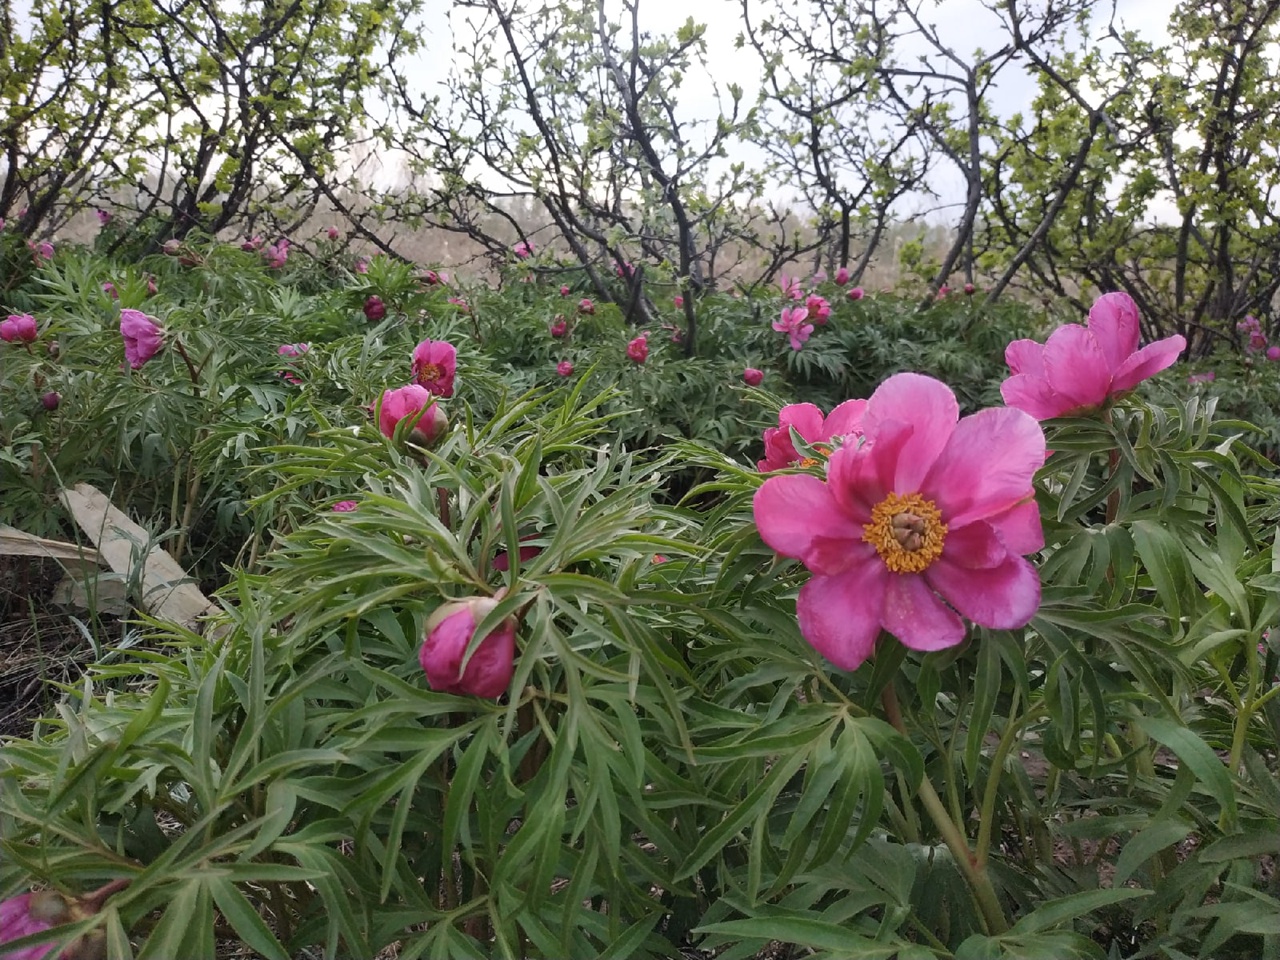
95 899
957 843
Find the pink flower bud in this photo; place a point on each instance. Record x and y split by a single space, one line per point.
51 400
143 337
678 301
523 249
362 265
559 327
375 309
564 368
856 293
969 289
171 247
752 377
110 290
412 403
104 216
585 305
19 328
345 506
842 276
152 289
564 289
1273 353
638 349
449 632
333 233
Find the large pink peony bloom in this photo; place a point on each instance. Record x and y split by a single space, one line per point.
435 364
794 323
923 523
449 631
414 403
143 337
1079 368
780 452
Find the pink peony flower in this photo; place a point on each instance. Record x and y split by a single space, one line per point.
460 304
678 301
564 289
251 245
430 278
819 309
559 327
564 368
333 234
1273 353
345 506
523 249
412 403
923 524
1257 341
842 276
1207 377
943 292
844 422
752 377
448 634
638 349
1079 368
277 254
1249 324
110 290
143 337
104 216
969 289
362 264
790 287
29 913
42 251
435 363
625 270
856 293
793 324
292 351
19 328
152 289
585 305
374 308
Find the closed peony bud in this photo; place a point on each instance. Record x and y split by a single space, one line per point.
143 337
559 327
413 403
586 305
752 377
564 368
638 349
51 400
448 634
19 328
375 309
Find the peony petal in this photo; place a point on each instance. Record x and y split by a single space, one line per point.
845 420
987 467
931 409
1114 323
1002 597
975 546
1076 367
1147 362
1025 356
1034 395
797 516
1019 527
805 417
915 615
860 477
840 616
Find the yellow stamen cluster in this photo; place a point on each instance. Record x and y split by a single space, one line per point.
814 461
429 373
907 531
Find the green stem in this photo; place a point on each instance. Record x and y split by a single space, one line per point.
956 841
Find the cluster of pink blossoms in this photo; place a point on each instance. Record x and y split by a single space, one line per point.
924 519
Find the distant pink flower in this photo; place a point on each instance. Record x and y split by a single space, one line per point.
51 400
104 216
564 289
844 423
19 328
449 632
1207 377
292 351
1273 353
412 403
678 301
659 559
752 377
333 234
502 560
435 364
42 251
29 913
943 292
625 270
362 264
277 254
969 289
1079 368
251 245
842 276
523 249
923 525
461 304
638 349
430 278
856 293
1257 341
819 309
110 290
564 368
143 337
790 287
374 308
586 305
152 289
345 506
559 327
793 324
1248 324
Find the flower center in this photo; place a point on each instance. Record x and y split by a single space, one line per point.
907 532
429 373
814 461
